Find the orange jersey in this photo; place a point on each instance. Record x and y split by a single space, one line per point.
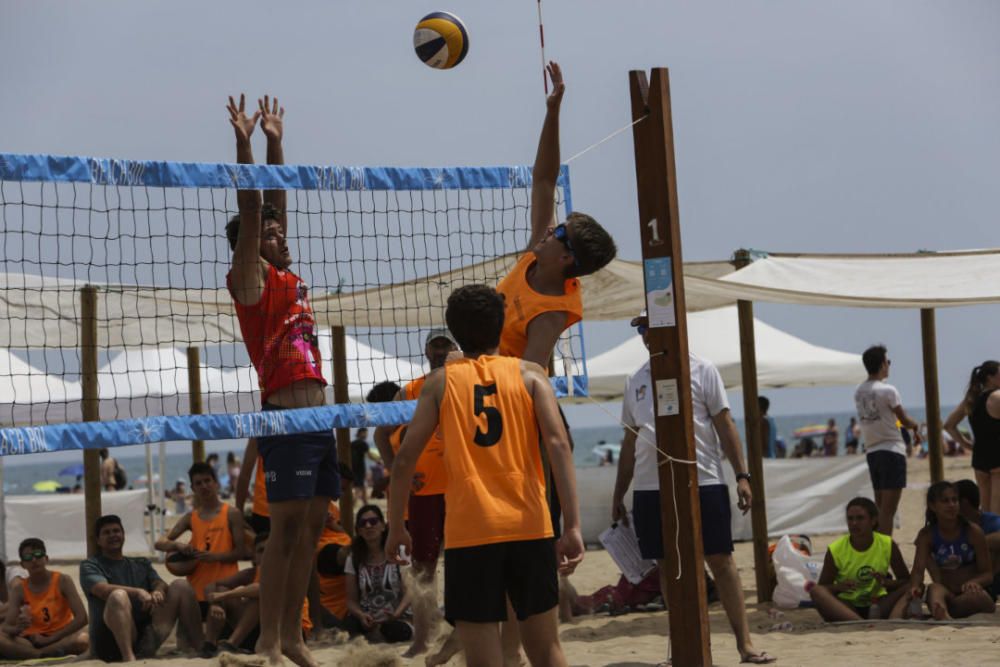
333 590
50 610
214 537
496 491
429 478
259 506
523 304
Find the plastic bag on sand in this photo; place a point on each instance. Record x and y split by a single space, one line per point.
796 574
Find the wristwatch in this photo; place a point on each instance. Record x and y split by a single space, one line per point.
742 475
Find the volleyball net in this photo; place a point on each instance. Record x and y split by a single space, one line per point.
380 248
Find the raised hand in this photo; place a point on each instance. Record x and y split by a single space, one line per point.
271 118
239 120
558 87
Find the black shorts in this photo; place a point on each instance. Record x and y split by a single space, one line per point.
478 580
102 640
426 526
716 521
300 465
260 523
887 470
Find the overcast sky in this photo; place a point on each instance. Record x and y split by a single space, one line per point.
800 126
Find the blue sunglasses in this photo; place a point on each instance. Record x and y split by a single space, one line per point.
562 235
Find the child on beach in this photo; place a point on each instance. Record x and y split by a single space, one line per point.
854 583
955 554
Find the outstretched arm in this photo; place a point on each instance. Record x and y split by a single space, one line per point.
272 124
546 170
247 273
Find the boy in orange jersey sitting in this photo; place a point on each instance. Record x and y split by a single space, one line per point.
492 412
332 551
239 597
216 545
58 617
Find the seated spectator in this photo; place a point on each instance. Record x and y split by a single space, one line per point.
132 610
235 605
955 554
376 598
55 615
332 552
968 506
216 540
855 583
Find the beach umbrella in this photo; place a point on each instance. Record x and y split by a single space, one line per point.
47 486
810 431
72 471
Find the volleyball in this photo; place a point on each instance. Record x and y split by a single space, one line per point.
440 40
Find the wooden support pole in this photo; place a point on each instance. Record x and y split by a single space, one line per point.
340 395
91 411
659 228
194 396
755 448
928 334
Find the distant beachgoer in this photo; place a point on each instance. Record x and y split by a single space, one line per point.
855 584
831 438
879 406
179 495
56 617
981 404
213 460
233 470
359 455
768 428
113 476
954 552
852 435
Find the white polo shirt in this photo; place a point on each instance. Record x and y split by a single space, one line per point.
708 398
875 401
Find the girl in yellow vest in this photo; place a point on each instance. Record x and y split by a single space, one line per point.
855 582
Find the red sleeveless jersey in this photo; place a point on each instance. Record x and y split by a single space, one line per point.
279 332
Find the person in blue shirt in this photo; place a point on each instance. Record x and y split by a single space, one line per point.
768 429
968 506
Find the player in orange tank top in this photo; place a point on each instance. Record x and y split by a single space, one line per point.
498 536
58 617
542 292
425 514
216 543
332 552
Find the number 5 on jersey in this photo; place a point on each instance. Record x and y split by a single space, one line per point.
494 421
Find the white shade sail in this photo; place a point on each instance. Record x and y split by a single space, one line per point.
783 360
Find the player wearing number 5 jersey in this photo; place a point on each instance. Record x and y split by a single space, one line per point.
491 411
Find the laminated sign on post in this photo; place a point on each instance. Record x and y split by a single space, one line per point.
659 292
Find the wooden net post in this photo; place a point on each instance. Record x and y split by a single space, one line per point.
340 395
91 411
659 228
755 448
194 397
935 450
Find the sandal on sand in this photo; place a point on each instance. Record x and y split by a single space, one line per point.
762 658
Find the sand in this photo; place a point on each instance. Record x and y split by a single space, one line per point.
639 639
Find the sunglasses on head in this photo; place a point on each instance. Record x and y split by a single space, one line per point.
369 521
562 235
34 555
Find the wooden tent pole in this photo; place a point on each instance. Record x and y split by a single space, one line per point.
194 396
928 335
659 229
91 411
340 395
755 448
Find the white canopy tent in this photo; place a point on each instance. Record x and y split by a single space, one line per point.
783 360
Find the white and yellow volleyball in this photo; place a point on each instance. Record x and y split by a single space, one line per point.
440 40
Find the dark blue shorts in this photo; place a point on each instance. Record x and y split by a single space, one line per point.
300 465
716 521
887 470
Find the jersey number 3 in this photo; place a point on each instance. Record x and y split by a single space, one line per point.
494 421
